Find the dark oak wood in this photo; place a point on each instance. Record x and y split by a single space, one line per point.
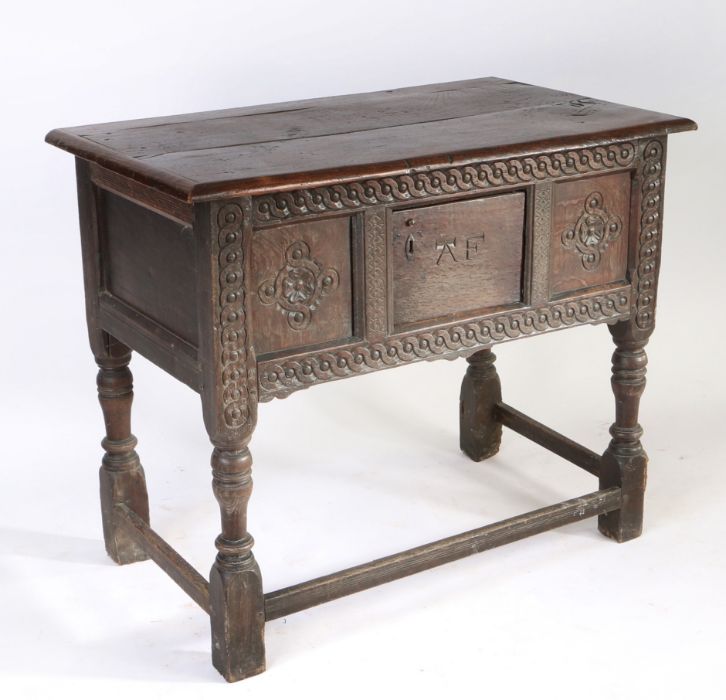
171 562
150 339
358 578
140 194
254 252
480 430
589 242
456 260
319 141
548 438
235 582
280 376
625 462
147 261
302 273
121 475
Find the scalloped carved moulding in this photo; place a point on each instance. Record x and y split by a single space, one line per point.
452 180
278 379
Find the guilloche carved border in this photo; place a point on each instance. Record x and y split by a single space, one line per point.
238 370
452 180
277 379
651 206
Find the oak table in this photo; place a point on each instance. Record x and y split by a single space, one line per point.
253 252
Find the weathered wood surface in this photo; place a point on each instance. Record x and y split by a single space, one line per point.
169 560
548 438
480 429
121 475
456 259
589 241
323 140
358 578
211 239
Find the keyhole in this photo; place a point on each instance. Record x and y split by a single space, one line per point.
409 247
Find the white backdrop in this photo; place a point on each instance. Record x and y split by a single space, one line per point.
354 470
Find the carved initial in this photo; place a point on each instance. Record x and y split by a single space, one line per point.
472 245
446 247
472 248
299 286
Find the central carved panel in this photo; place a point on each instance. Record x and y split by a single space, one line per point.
457 259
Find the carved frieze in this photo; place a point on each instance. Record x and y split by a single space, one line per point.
279 378
451 180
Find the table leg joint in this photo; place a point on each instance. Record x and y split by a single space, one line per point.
549 439
165 556
358 578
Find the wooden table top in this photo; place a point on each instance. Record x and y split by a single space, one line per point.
322 141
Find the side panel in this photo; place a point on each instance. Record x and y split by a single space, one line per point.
148 263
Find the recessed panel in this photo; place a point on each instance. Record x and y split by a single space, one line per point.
589 241
149 264
302 285
456 259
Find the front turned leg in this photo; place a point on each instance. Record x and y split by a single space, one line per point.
223 231
121 475
624 462
235 583
480 433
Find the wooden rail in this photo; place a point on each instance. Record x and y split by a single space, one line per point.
550 439
178 568
358 578
286 601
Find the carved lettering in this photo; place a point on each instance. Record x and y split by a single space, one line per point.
472 246
446 247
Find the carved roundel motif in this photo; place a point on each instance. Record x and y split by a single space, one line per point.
299 286
594 231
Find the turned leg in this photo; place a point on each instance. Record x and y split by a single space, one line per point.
229 403
121 475
624 462
235 583
479 431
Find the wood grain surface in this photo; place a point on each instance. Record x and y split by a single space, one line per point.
456 259
294 287
588 207
323 140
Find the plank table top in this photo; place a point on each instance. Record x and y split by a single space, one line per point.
319 141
